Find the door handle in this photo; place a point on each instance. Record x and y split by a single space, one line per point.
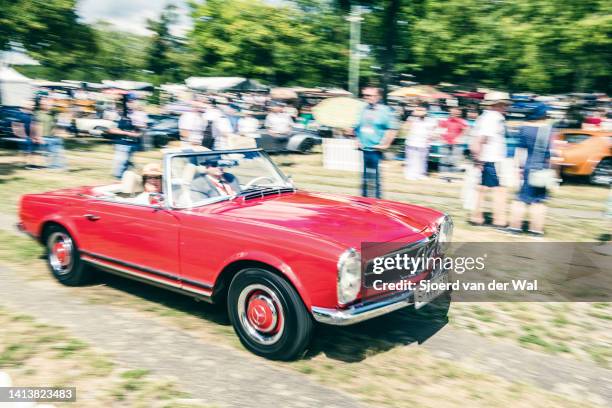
92 217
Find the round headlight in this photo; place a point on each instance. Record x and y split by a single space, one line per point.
445 232
349 276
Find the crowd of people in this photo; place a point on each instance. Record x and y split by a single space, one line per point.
490 169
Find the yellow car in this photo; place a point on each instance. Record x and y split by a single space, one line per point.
586 153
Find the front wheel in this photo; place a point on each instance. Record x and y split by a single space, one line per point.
63 258
603 173
268 315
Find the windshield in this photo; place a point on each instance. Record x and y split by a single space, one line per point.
198 179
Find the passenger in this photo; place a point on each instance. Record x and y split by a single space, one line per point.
152 182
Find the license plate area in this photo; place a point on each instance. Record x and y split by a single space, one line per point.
438 285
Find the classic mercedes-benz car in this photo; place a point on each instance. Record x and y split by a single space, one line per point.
229 227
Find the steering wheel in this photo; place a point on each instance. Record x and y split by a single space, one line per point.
256 179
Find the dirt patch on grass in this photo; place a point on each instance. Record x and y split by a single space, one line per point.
37 354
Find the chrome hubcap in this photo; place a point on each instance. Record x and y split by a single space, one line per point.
261 314
60 252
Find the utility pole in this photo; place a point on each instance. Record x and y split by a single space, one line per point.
355 20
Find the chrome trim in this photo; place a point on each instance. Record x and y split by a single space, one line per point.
140 276
361 312
140 268
260 336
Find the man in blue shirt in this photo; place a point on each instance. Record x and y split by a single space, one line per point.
376 129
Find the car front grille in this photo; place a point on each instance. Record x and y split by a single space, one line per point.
424 249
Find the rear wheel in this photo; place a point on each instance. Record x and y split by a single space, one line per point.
603 173
268 315
64 259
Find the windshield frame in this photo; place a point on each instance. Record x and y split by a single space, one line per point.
169 199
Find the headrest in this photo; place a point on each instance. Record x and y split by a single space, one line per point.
131 183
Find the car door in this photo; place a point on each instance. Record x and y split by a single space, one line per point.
134 239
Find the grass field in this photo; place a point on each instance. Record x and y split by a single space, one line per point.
569 330
38 354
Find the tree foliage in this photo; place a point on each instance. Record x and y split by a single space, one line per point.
277 43
521 45
162 58
49 29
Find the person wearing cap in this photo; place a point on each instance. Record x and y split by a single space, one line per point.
152 184
214 181
488 149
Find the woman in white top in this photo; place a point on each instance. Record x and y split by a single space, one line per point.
419 130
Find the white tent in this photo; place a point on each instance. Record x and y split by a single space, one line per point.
15 89
16 58
129 85
220 84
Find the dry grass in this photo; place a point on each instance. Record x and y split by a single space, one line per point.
36 354
388 374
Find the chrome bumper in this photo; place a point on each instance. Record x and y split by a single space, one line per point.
361 312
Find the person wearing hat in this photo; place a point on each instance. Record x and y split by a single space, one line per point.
214 181
152 183
488 149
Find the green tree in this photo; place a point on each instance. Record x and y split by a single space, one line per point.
119 55
48 29
162 52
280 44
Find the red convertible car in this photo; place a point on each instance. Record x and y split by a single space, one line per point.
230 227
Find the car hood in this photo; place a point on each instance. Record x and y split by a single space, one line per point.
348 221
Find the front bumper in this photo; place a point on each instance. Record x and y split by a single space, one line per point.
363 311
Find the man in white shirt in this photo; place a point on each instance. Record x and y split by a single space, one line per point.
278 122
222 129
248 125
191 127
489 151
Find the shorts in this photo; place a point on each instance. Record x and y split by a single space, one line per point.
489 175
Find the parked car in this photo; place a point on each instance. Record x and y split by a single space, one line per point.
299 141
93 126
8 115
586 153
161 130
280 258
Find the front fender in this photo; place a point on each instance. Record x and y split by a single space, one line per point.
277 263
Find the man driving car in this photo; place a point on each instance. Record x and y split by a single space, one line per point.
214 181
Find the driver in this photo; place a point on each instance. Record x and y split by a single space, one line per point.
215 182
152 182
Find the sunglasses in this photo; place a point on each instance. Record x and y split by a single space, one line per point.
369 95
152 177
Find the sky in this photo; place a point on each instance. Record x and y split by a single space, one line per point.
131 15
